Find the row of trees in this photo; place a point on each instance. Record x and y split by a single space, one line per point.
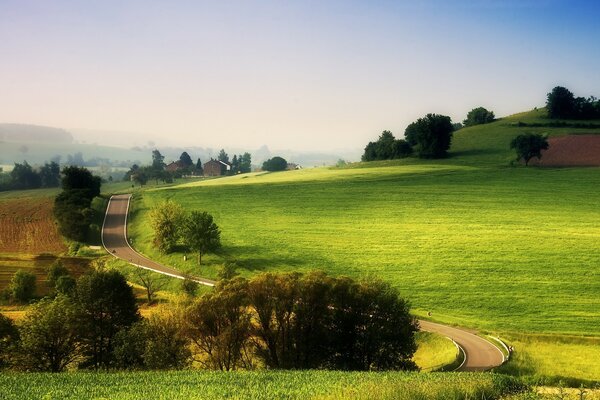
561 103
24 176
240 164
72 207
173 227
282 321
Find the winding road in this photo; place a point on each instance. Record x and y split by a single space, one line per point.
479 354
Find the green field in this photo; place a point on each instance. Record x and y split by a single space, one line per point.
256 385
476 241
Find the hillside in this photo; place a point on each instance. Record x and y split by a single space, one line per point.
470 239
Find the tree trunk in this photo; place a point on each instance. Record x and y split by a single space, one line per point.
199 258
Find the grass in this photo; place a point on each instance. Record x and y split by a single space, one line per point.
256 385
434 352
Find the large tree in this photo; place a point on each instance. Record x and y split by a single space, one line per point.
50 175
275 164
431 134
387 147
107 305
479 115
166 219
560 103
529 145
22 286
201 234
186 160
50 335
245 163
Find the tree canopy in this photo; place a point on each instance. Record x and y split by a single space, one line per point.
275 164
201 234
387 147
529 145
562 103
431 135
478 116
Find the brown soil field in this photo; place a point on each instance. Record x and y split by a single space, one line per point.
27 226
571 151
38 265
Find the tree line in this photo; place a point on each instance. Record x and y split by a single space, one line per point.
274 321
24 176
561 103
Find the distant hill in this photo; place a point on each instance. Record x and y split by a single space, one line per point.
33 133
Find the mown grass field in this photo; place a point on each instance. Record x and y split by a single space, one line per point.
301 385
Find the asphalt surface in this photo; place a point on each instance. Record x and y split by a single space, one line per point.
480 355
114 240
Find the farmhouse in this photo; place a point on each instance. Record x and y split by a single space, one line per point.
216 168
174 166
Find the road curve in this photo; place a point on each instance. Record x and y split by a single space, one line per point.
114 240
480 355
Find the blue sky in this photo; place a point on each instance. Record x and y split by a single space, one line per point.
301 75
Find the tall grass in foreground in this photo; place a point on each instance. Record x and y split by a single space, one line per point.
322 385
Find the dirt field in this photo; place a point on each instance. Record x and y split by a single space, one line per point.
27 226
571 151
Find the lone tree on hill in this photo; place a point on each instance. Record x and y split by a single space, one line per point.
478 116
275 164
166 219
201 234
431 135
560 103
529 145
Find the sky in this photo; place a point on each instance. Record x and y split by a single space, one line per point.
303 75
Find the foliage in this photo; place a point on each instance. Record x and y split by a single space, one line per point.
56 271
201 234
50 336
151 282
387 148
561 103
9 340
77 178
228 271
186 160
166 220
22 286
275 164
199 169
50 175
107 305
529 145
189 287
478 116
431 135
23 176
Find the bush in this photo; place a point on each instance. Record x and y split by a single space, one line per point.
275 164
9 339
22 286
478 116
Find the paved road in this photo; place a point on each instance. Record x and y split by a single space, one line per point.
480 355
114 240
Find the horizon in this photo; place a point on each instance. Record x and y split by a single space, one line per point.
309 77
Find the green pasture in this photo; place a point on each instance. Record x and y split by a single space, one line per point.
289 385
503 249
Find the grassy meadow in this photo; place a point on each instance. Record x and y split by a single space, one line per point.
301 385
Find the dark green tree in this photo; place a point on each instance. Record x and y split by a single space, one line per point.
201 234
246 163
401 149
386 148
22 286
50 335
529 145
275 164
432 135
78 178
107 305
24 177
560 103
158 160
199 168
55 271
186 160
478 116
235 165
50 175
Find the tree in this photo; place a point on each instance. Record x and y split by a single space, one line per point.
22 286
24 177
479 116
529 145
166 219
386 148
55 271
275 164
151 281
401 149
186 160
218 325
201 234
245 163
167 347
432 135
50 335
9 340
73 214
189 287
560 103
107 305
79 178
235 165
199 169
50 175
158 161
223 157
140 177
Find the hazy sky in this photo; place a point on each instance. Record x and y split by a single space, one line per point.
290 74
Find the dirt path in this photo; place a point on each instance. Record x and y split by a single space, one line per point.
480 355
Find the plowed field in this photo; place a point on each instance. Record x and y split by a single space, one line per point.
27 226
571 151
